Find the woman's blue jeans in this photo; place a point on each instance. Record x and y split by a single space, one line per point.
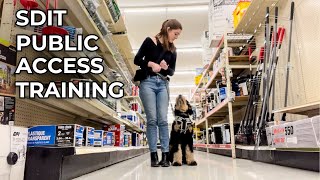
154 96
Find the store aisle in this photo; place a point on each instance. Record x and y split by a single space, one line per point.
211 167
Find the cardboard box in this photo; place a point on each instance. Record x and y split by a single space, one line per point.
118 130
135 139
69 135
111 139
98 138
42 136
279 136
65 135
301 134
88 136
316 127
108 139
221 17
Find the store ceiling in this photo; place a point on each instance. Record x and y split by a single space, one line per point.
144 18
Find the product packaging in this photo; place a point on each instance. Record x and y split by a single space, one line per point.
300 134
65 135
69 135
223 93
42 136
279 136
98 138
109 138
88 136
118 130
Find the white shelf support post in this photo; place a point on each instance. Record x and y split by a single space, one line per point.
229 95
7 20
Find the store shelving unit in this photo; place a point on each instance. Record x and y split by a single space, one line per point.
229 105
210 65
136 98
310 109
253 23
221 111
254 16
78 16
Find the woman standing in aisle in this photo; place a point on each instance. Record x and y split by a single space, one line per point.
157 60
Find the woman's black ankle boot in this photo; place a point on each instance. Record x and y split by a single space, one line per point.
165 160
154 159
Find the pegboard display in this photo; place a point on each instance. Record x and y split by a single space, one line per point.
31 54
304 82
30 113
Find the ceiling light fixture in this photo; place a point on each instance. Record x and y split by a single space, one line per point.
182 86
191 49
164 9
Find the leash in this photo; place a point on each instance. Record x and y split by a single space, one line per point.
168 90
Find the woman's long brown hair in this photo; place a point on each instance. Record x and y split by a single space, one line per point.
181 104
171 24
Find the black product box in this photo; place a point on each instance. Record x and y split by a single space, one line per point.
69 135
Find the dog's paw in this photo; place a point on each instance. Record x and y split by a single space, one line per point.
193 163
176 164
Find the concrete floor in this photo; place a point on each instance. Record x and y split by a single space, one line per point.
210 167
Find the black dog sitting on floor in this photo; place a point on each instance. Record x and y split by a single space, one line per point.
181 139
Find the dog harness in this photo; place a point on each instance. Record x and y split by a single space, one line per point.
183 122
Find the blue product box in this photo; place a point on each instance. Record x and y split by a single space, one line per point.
88 136
98 138
42 136
110 139
223 93
104 138
130 118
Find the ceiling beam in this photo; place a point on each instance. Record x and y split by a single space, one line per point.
167 5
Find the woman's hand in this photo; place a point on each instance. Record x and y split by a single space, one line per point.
164 65
155 67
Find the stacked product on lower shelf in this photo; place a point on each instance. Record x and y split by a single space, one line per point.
74 135
220 134
303 133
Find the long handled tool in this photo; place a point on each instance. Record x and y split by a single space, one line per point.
261 126
267 48
281 31
262 122
288 65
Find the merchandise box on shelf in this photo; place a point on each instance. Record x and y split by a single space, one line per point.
69 135
88 137
131 116
239 12
127 139
42 135
118 130
135 139
99 138
316 125
65 135
109 138
297 134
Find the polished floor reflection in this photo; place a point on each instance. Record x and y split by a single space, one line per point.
211 167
